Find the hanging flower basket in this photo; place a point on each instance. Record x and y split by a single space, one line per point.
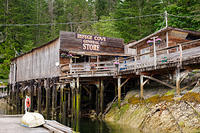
116 63
158 40
150 42
70 55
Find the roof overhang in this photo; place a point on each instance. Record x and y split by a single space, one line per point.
134 44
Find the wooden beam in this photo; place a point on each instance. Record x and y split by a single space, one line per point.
154 79
185 75
145 81
119 91
86 90
188 85
125 82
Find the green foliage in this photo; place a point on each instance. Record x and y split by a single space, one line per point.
103 28
15 40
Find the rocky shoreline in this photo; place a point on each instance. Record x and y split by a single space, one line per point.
167 113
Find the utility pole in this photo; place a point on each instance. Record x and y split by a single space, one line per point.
166 19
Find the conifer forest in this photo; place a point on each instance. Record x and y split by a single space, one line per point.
26 24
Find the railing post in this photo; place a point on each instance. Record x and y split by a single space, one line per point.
70 65
154 51
181 54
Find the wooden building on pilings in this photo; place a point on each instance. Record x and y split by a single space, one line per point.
76 66
167 51
48 76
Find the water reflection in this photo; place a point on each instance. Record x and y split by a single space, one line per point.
95 126
85 125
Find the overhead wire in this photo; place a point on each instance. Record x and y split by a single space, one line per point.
95 21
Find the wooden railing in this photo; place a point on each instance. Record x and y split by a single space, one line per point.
92 68
130 63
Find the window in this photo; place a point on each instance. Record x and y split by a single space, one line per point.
144 50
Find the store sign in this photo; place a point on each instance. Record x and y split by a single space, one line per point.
90 42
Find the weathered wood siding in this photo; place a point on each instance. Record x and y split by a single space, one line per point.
12 72
69 42
40 63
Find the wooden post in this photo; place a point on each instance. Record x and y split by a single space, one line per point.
90 97
54 97
101 96
39 98
32 94
23 98
61 101
69 101
17 97
141 86
73 109
154 51
119 92
181 54
97 97
70 65
178 81
77 104
47 86
65 105
97 63
167 41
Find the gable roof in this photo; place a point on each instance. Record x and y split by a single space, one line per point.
133 44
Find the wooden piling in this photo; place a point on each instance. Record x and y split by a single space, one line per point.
101 96
178 81
39 93
73 109
32 94
119 91
68 101
97 97
54 97
64 105
141 86
61 101
77 104
17 99
23 98
47 87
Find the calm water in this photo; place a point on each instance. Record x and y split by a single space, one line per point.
86 125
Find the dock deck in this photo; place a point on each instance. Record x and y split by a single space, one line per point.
12 124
